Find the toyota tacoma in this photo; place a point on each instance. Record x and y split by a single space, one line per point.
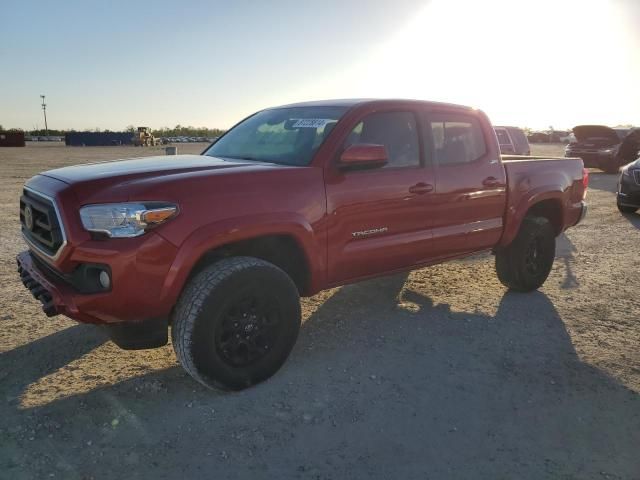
218 248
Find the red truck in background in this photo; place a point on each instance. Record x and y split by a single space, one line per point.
291 201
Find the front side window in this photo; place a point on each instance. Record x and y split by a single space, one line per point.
397 131
286 136
457 139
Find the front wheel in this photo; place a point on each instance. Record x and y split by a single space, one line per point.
524 265
236 323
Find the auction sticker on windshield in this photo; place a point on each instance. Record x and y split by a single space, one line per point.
311 122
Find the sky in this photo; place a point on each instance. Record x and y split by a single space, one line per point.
109 64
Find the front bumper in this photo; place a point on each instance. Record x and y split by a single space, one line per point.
58 299
138 270
628 199
628 194
41 289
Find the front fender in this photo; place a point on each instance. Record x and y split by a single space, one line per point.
224 232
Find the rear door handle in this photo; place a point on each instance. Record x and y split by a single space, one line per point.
490 182
421 188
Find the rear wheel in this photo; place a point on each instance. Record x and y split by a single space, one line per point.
525 264
236 323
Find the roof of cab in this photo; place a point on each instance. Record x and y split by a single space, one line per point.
352 102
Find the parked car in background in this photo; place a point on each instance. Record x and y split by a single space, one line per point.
598 147
291 201
561 136
571 138
628 194
538 137
551 136
512 141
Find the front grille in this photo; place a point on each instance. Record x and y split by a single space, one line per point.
47 270
40 222
636 176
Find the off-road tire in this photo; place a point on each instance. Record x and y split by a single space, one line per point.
625 209
524 265
202 315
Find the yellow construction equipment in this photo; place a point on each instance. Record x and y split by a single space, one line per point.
144 138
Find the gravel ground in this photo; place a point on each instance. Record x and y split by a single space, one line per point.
440 373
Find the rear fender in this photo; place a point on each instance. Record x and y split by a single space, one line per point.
516 213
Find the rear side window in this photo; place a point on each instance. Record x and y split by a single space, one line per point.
503 136
457 139
397 131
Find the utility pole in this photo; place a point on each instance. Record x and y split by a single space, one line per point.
44 111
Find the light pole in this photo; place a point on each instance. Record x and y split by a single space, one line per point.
44 111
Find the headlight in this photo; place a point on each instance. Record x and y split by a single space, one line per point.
123 220
626 172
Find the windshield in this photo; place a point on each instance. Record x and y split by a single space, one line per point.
287 136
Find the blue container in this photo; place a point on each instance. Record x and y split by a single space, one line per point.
97 139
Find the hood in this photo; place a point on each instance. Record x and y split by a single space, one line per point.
585 133
146 167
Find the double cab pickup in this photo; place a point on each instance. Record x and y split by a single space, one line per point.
218 248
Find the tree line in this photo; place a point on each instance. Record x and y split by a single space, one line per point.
177 131
182 131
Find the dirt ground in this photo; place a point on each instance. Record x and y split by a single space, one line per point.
440 373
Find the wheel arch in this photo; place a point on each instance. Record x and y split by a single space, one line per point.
282 250
288 242
552 210
548 204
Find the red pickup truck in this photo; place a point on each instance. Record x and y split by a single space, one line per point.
290 201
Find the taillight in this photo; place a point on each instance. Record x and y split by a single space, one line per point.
585 182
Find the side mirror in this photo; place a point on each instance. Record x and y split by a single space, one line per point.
363 156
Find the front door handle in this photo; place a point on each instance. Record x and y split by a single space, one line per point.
491 182
421 188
